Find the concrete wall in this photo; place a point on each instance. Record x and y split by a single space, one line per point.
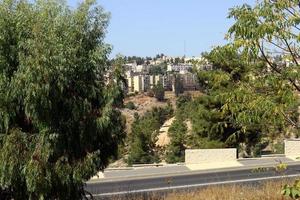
204 156
292 148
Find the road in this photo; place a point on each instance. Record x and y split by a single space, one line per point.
187 180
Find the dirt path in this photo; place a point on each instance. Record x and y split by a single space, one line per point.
163 138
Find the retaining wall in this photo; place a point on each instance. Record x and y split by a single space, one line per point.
201 156
292 148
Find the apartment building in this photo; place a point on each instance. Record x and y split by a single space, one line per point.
141 83
181 68
155 79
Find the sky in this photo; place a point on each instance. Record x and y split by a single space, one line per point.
172 27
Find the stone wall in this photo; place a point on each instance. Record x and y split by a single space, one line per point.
204 156
292 148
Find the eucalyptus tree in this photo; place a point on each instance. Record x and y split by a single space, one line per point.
59 122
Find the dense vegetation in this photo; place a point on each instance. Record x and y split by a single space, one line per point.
59 95
59 124
250 96
143 136
177 133
159 91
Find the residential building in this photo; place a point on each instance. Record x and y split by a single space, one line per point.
181 68
141 83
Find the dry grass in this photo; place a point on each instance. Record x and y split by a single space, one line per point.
263 191
270 190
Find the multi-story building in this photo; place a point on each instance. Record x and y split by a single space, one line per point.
141 68
167 81
141 83
189 81
181 68
155 79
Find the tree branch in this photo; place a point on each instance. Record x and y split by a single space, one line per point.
291 52
273 66
293 123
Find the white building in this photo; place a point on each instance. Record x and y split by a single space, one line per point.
155 79
181 68
141 68
141 83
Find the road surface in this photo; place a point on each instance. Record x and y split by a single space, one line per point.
184 179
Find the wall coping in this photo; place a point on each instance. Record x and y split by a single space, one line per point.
296 139
211 149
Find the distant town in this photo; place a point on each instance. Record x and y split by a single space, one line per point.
142 74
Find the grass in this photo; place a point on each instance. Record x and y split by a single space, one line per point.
261 191
269 190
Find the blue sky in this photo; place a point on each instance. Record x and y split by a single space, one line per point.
149 27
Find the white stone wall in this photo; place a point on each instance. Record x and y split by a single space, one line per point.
292 148
204 156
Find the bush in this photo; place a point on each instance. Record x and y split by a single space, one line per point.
279 148
159 92
150 93
142 147
205 143
130 105
176 148
183 100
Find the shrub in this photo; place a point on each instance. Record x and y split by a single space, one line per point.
159 92
130 105
183 100
150 93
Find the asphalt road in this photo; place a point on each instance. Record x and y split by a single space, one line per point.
194 179
154 171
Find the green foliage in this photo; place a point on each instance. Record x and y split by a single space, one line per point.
137 59
130 105
118 79
144 133
279 148
159 91
257 149
59 122
158 69
182 100
292 191
175 150
281 167
240 107
204 143
269 32
178 85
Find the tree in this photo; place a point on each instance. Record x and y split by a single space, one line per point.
159 91
270 30
222 115
158 69
59 122
176 60
177 134
143 136
142 141
178 85
182 100
130 105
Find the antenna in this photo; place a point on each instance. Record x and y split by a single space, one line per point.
184 48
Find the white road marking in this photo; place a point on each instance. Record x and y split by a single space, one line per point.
195 185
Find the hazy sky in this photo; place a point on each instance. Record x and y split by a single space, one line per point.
148 27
